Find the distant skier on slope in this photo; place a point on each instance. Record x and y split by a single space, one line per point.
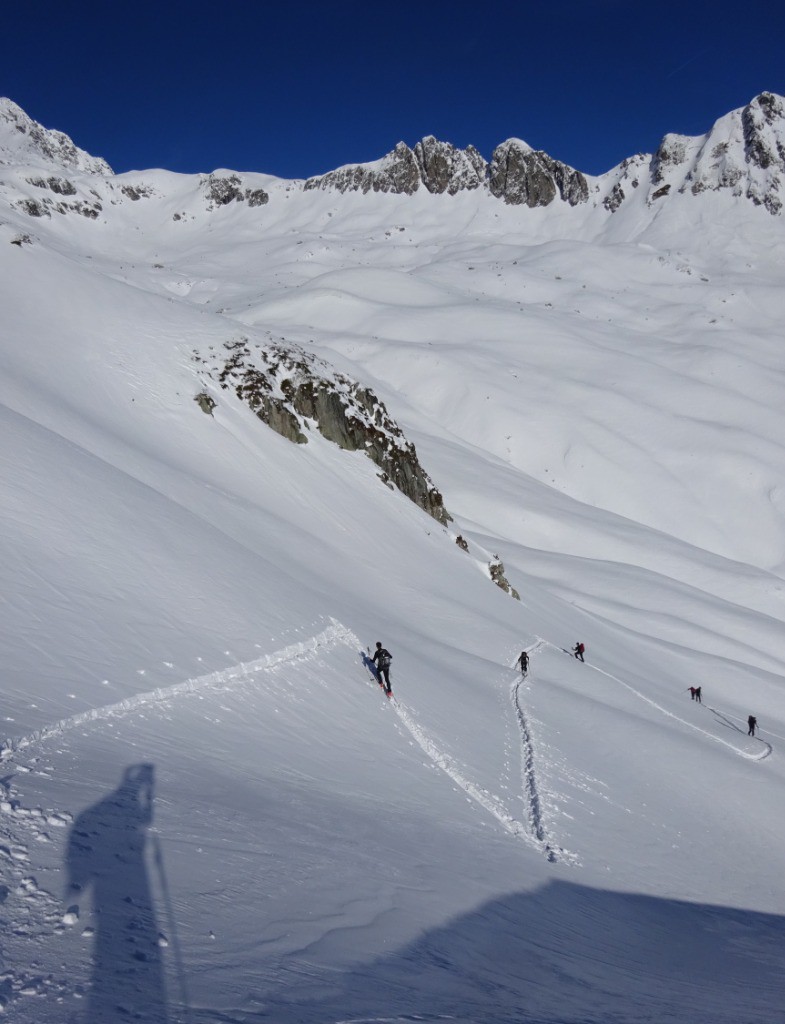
752 722
382 659
578 650
523 661
692 692
698 694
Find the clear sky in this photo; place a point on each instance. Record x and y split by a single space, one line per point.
295 89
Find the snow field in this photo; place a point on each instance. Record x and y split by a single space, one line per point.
191 736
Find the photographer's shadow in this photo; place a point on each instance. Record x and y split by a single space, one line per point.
106 856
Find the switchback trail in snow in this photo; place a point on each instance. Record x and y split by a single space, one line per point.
766 748
333 635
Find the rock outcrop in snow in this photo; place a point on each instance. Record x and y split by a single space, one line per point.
517 174
291 390
521 175
222 189
438 166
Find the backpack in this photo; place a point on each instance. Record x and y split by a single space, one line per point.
385 659
581 648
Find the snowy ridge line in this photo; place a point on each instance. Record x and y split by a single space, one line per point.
767 747
334 634
528 773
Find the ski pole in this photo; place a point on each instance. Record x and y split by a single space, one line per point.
159 861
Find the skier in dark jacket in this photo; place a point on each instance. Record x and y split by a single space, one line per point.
578 650
523 661
382 659
698 694
752 722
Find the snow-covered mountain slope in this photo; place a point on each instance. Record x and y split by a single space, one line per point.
211 811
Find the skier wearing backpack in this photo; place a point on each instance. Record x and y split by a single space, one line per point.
578 650
523 661
752 722
382 659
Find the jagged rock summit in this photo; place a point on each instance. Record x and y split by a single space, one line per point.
24 141
744 153
517 174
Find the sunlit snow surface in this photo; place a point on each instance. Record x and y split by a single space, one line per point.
211 813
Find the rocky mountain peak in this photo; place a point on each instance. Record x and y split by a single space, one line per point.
25 141
445 168
517 174
521 175
744 154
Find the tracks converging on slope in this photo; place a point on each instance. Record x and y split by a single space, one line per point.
532 832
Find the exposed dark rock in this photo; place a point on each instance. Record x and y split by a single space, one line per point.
445 168
205 402
671 152
660 192
137 192
496 569
614 199
62 186
256 197
221 191
763 112
292 391
21 240
523 176
229 189
34 208
462 543
517 174
397 172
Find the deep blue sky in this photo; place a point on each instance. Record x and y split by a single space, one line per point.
297 88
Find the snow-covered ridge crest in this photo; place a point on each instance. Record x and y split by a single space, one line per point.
744 154
25 141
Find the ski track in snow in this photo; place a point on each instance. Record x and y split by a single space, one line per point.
530 787
532 833
485 799
334 634
767 748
